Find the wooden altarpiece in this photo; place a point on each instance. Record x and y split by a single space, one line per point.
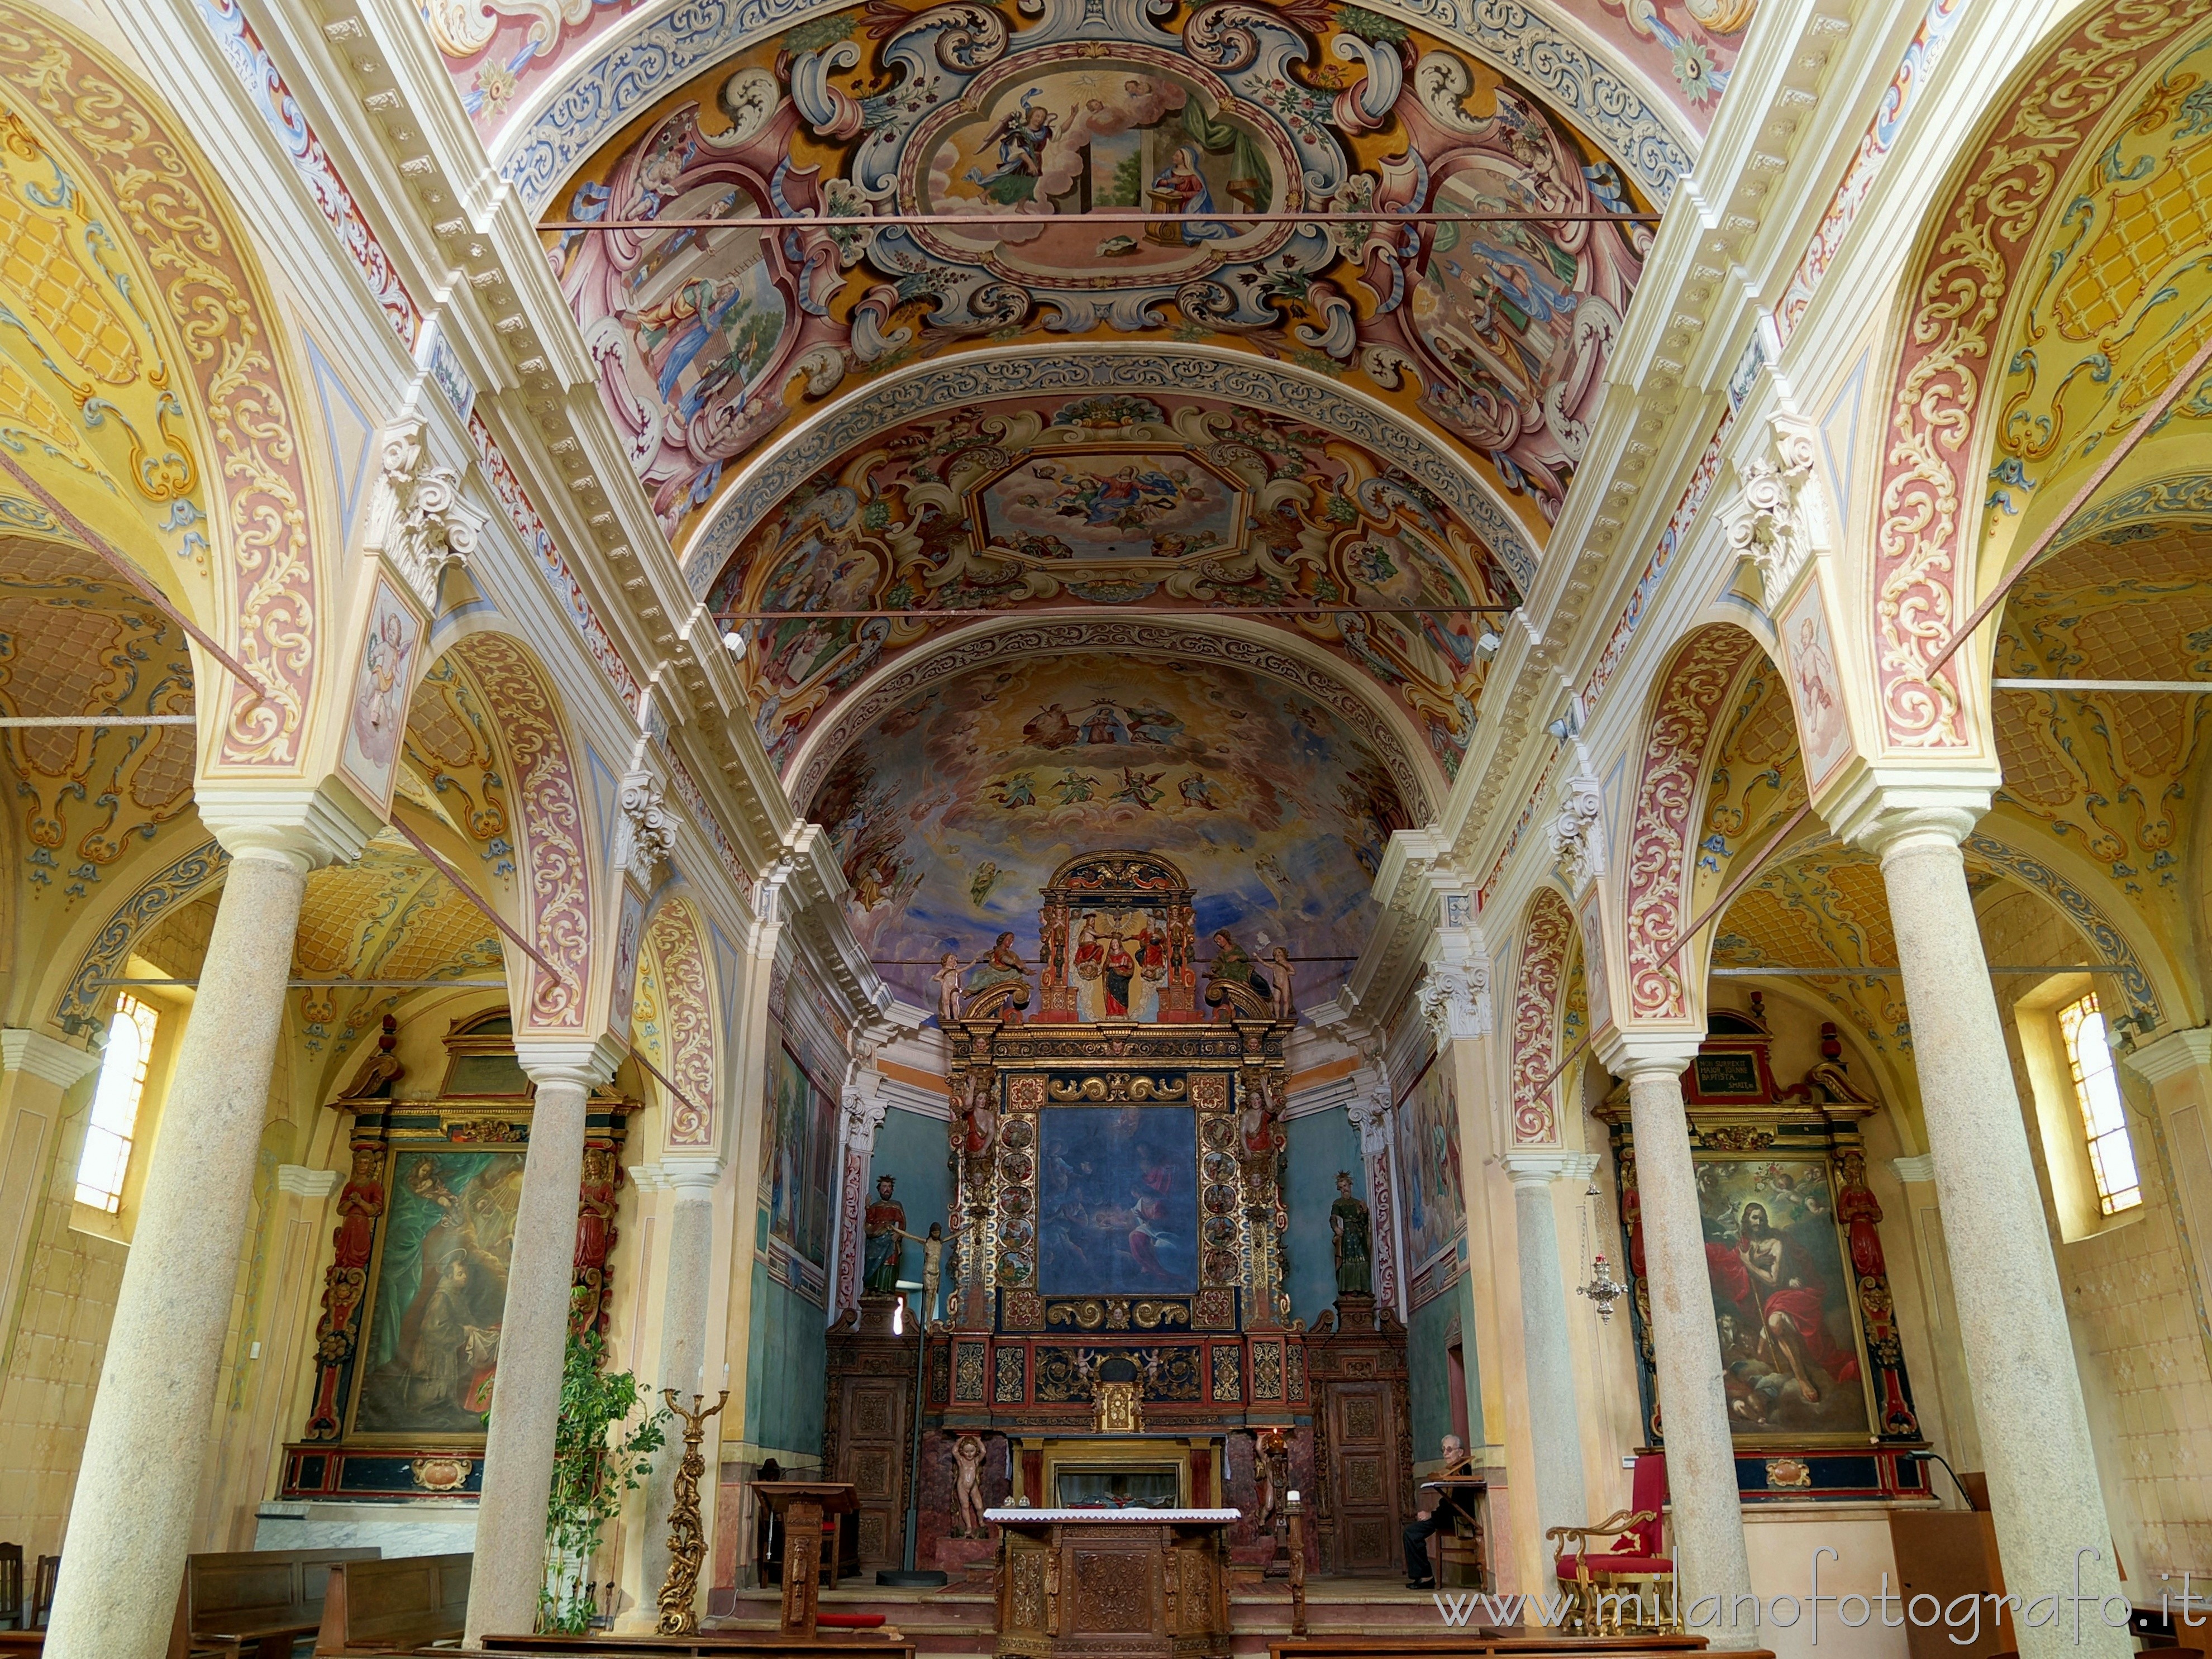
1819 1402
414 1294
1053 1119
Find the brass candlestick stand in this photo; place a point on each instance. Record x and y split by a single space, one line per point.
687 1538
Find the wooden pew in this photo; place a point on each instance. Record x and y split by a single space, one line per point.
253 1601
397 1605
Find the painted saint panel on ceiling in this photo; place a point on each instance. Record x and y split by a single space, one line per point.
708 340
951 814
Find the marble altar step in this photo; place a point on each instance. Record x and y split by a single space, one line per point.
960 1620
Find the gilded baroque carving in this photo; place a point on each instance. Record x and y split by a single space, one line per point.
1658 868
1938 421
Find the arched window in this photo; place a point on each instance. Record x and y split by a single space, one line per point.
106 1156
2097 1093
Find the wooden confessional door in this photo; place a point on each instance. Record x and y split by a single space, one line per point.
1365 1459
872 1453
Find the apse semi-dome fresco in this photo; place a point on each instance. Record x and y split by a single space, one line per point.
709 340
951 812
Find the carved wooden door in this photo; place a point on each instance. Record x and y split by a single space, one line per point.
1363 1477
873 1454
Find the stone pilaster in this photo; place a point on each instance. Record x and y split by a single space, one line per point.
2013 1328
684 1286
1554 1417
1711 1565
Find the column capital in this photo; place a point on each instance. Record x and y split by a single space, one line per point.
305 825
1634 1054
1890 819
1539 1170
2170 1055
584 1063
692 1179
1913 1171
59 1063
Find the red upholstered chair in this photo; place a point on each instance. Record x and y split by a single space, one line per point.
1630 1587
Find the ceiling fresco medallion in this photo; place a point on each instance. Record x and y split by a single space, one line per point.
708 339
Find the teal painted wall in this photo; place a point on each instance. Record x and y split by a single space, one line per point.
787 1369
911 1149
1320 1146
1428 1335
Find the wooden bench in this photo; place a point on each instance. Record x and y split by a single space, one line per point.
253 1601
397 1605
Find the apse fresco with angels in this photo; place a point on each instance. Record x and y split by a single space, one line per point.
951 812
708 340
1106 499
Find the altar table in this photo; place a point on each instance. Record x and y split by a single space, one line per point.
1131 1583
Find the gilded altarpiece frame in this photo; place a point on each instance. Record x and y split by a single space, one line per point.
1820 1404
414 1295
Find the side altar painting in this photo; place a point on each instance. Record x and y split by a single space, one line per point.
1818 1398
414 1300
1429 1183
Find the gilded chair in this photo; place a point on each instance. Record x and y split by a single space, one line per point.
1630 1587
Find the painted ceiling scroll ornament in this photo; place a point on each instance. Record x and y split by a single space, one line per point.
416 517
1981 241
646 834
706 342
1779 517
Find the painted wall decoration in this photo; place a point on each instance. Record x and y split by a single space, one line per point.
1109 499
383 679
1429 1178
239 534
1782 1296
431 1344
797 1154
951 814
1816 685
709 340
1119 1201
1699 38
1946 420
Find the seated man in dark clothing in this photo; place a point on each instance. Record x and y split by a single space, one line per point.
1445 1502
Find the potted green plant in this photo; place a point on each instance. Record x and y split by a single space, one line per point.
597 1461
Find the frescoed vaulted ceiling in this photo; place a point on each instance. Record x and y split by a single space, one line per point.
2108 773
710 343
1195 503
76 640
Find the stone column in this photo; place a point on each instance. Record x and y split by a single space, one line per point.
2042 1468
533 1341
683 1341
1554 1417
130 1521
1710 1564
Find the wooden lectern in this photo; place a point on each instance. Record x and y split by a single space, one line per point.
800 1504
